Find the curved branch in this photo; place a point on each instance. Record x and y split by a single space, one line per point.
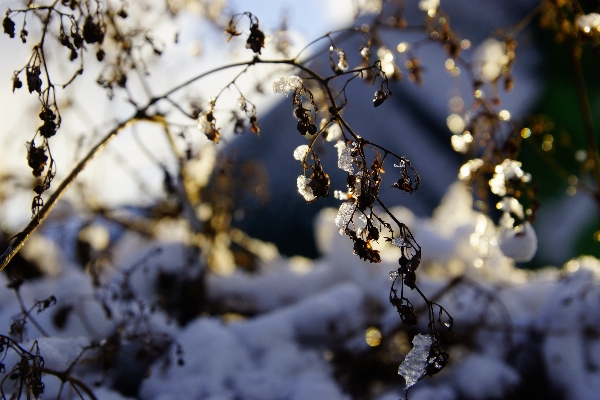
20 238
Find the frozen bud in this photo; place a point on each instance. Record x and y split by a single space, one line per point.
344 157
365 53
414 366
342 60
589 23
287 84
304 189
380 97
488 59
300 152
519 243
242 103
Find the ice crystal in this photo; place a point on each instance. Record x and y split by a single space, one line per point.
398 242
393 275
305 190
287 84
589 23
344 157
414 365
300 152
488 59
344 215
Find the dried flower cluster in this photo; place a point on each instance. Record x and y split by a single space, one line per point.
481 130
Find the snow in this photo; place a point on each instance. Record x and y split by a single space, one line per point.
299 309
304 189
287 84
519 243
300 152
483 377
345 160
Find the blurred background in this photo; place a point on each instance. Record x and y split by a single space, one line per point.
238 288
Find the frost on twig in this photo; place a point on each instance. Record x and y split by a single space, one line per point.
287 84
344 215
300 152
344 157
304 189
414 366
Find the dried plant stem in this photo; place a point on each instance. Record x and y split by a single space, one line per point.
586 116
20 238
74 382
181 188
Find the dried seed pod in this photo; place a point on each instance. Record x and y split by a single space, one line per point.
34 82
9 26
36 158
256 40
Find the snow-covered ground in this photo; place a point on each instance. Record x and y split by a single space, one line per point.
295 316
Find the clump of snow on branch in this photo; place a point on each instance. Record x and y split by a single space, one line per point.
519 242
488 59
204 125
305 190
300 152
344 215
414 365
287 84
399 242
334 133
344 157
